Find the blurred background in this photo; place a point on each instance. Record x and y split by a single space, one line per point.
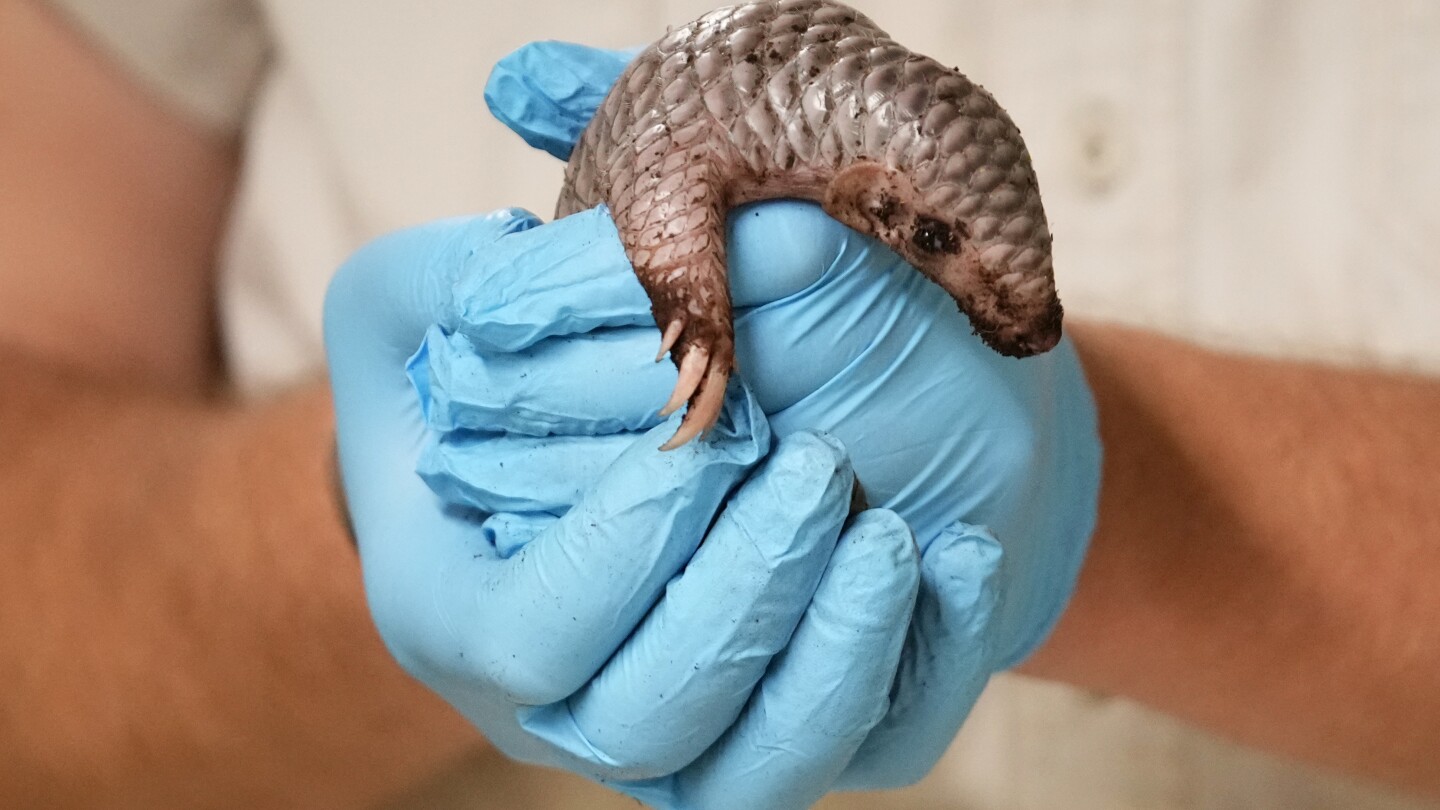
1259 175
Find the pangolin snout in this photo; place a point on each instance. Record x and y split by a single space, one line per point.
1016 314
1026 341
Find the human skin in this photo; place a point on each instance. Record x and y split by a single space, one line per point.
184 621
1266 554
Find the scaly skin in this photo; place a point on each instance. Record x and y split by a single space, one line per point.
809 99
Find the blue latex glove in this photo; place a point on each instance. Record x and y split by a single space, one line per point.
584 630
538 385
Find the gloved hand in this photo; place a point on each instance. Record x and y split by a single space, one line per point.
540 379
986 457
558 599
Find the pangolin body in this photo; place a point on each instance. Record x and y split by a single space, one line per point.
810 99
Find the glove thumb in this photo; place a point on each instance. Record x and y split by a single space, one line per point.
547 92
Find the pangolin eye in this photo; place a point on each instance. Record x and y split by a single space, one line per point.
934 236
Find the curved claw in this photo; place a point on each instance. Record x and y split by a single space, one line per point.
704 411
692 371
672 334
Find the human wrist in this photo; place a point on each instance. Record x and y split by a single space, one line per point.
1125 592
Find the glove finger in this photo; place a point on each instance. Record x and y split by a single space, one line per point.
688 670
392 289
377 310
829 687
590 393
547 92
861 310
777 248
533 289
944 666
539 624
605 381
566 278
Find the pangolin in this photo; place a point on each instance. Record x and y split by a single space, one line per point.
810 99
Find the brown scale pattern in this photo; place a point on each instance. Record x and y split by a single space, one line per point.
810 99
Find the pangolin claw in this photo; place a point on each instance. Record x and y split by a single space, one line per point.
704 408
692 373
667 342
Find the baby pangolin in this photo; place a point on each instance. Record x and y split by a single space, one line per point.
809 99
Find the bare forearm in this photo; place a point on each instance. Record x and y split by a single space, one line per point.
181 617
1267 553
184 623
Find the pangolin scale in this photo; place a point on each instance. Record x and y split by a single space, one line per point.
810 99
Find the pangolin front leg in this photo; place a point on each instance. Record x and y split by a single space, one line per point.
672 224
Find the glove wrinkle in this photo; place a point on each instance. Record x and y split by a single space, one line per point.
530 293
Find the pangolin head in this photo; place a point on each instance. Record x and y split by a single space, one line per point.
983 239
